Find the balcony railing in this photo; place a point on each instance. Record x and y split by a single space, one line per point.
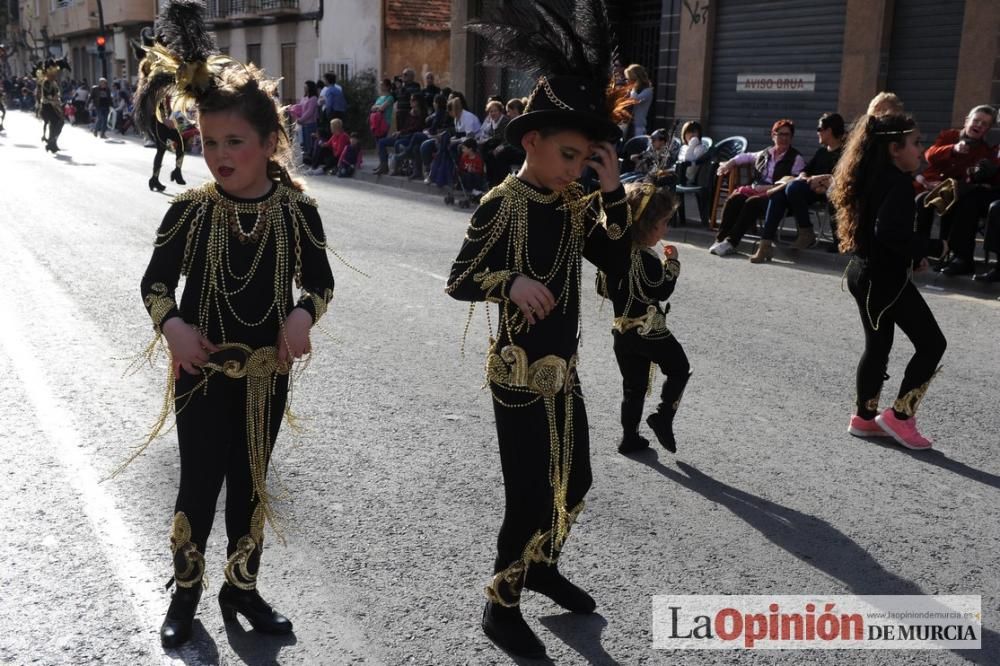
230 10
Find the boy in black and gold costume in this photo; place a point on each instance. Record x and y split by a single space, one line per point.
523 251
641 337
243 241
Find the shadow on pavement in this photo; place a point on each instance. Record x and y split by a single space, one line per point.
812 540
68 159
201 649
582 633
256 649
938 459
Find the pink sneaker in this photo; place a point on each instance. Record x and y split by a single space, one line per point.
904 432
861 427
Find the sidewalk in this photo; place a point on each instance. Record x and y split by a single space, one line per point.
693 233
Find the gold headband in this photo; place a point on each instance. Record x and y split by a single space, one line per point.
648 190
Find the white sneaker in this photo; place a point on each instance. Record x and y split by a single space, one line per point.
315 172
725 248
714 246
427 180
476 193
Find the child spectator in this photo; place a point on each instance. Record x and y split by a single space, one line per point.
471 169
326 155
656 161
350 159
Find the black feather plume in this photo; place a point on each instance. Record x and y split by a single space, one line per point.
181 28
148 93
539 39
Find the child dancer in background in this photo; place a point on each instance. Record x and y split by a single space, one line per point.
873 193
641 336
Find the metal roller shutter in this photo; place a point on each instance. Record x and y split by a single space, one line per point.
923 60
766 37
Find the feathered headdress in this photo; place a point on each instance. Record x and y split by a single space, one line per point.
182 61
572 58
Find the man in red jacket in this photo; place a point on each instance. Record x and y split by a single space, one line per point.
965 156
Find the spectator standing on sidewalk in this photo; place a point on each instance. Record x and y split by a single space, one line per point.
334 101
642 93
408 87
306 114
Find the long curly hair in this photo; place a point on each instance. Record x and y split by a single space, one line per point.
864 163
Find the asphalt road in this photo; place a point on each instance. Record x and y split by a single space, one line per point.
395 488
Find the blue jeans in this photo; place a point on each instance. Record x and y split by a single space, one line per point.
427 152
383 148
102 120
796 197
307 138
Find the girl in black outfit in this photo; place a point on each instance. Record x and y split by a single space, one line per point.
242 241
641 336
873 193
162 133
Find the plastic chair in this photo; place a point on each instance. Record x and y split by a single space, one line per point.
706 165
725 150
633 146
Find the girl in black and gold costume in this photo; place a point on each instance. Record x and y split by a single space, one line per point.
873 193
162 129
523 251
641 337
242 241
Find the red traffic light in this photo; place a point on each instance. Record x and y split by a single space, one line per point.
101 41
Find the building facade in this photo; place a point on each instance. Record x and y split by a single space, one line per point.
738 65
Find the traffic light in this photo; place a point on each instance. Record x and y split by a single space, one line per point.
101 43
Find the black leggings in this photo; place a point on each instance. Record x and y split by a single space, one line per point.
634 354
523 435
212 437
161 135
886 300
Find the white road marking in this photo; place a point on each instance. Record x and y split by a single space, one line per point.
31 284
423 272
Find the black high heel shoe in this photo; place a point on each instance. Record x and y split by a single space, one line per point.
155 185
176 628
175 176
249 604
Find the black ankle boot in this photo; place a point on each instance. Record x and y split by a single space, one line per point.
506 627
175 176
632 442
663 427
155 185
546 579
249 604
176 628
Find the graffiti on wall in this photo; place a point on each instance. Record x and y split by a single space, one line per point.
698 13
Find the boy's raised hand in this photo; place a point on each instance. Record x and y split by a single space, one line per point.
606 166
189 349
532 297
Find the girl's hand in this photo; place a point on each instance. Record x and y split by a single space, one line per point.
293 340
724 168
670 251
532 297
189 349
606 166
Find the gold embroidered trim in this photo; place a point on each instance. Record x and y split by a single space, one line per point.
320 303
547 376
872 404
237 568
159 303
490 280
648 324
908 403
505 587
189 564
672 267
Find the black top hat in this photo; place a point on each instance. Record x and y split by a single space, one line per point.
566 102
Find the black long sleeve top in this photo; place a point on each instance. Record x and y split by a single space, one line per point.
522 230
646 281
887 238
241 258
